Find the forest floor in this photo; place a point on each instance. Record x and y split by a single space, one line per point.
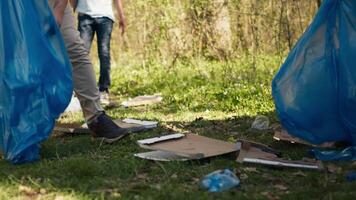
210 98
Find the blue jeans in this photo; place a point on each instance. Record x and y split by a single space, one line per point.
102 26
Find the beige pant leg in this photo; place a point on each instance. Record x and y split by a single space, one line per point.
83 73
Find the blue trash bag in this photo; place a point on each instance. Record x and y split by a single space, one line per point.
35 77
315 89
348 154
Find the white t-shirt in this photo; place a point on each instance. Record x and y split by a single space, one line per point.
96 8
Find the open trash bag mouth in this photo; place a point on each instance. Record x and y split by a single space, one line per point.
35 76
314 91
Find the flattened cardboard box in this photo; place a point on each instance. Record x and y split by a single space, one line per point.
190 146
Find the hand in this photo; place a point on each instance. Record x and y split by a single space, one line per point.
122 25
58 10
59 18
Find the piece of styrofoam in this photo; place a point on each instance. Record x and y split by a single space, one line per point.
146 124
160 139
74 105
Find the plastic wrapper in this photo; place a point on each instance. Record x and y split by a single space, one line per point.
35 77
220 181
315 89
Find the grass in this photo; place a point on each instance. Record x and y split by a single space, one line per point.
215 99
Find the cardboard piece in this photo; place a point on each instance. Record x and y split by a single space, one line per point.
249 153
132 124
282 135
190 146
142 100
161 156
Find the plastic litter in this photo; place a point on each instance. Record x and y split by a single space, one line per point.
348 154
220 181
35 77
314 91
74 105
351 176
261 123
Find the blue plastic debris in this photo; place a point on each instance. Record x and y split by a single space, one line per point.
351 176
35 77
315 89
348 154
220 181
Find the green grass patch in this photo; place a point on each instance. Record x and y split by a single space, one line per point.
215 99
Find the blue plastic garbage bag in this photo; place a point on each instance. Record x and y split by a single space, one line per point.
348 154
35 77
315 89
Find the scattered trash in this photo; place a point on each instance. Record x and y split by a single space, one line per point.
143 100
282 135
184 147
261 123
348 154
351 176
133 125
220 180
74 105
252 153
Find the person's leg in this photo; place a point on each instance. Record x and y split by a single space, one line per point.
83 72
98 122
86 29
104 27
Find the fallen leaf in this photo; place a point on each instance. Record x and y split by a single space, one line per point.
115 194
353 165
281 187
234 133
157 187
299 173
270 196
141 176
174 176
59 197
334 169
195 180
43 191
243 176
27 190
251 169
275 126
